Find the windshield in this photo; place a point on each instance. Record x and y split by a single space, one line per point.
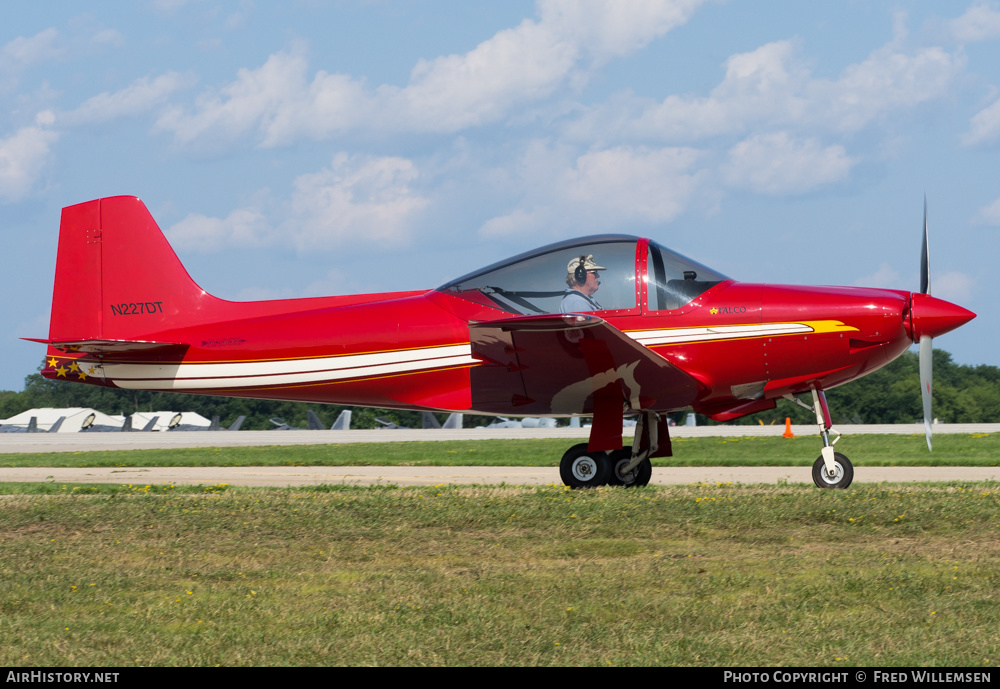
674 280
587 275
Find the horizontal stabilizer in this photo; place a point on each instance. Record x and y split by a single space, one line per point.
101 346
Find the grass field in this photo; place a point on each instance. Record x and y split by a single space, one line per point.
471 575
979 449
696 575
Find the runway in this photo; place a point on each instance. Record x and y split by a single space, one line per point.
90 442
429 476
433 476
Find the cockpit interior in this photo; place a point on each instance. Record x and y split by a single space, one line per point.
537 282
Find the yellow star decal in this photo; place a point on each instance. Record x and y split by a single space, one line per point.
74 367
53 362
90 370
713 311
60 371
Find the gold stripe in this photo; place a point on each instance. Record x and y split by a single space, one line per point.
829 327
817 326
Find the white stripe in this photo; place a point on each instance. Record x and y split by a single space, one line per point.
682 335
192 376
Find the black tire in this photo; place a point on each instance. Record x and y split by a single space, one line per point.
644 474
580 469
637 477
843 476
615 458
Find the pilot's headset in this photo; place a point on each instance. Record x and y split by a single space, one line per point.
580 274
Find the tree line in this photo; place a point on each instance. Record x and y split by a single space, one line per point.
962 394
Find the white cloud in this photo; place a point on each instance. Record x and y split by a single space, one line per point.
170 6
519 221
335 281
771 86
330 104
633 183
241 228
610 28
138 97
777 164
954 287
989 215
24 52
22 160
110 37
599 190
279 103
458 91
275 101
885 276
888 80
356 199
981 22
530 61
984 127
21 53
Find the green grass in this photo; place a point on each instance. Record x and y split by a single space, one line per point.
501 575
866 450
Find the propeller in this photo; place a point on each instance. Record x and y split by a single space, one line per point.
926 351
930 317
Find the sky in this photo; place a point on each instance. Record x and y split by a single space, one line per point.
311 147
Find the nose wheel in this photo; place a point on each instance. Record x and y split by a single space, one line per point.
840 477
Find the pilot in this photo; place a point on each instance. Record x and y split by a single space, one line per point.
583 280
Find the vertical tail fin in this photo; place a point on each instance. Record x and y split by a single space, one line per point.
343 422
117 277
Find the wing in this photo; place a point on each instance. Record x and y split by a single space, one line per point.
570 364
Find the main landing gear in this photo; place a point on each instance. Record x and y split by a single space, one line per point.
831 469
582 469
625 467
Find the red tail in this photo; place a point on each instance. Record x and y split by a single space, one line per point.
117 277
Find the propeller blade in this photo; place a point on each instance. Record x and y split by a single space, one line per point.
926 381
925 259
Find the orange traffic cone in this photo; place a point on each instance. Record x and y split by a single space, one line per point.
788 429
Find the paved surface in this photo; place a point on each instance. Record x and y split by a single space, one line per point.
424 476
88 442
429 476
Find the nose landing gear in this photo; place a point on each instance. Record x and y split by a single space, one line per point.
831 469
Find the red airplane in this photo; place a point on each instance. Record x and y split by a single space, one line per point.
648 332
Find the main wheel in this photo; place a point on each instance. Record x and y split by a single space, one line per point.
843 472
579 469
637 477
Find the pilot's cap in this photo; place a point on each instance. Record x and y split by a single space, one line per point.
588 264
